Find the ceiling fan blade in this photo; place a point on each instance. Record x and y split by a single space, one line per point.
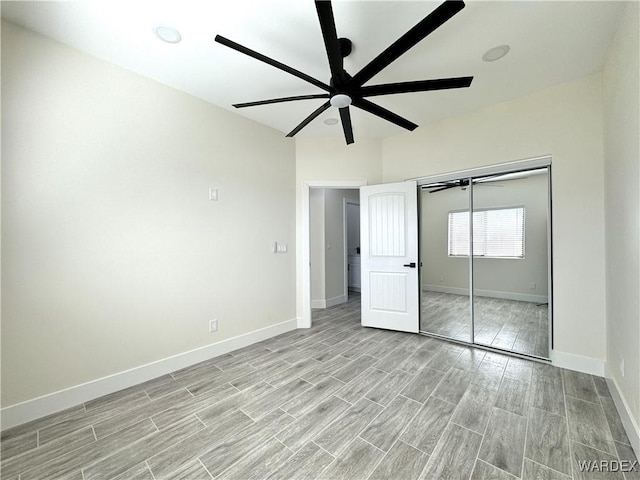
374 109
442 189
274 63
330 37
418 86
308 120
280 100
427 25
345 116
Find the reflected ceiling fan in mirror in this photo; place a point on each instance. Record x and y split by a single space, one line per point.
345 90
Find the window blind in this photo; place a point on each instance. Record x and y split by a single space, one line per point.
496 233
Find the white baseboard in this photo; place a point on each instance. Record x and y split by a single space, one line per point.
318 304
523 297
29 410
578 363
630 425
329 302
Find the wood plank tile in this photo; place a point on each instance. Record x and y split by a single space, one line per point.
613 419
513 396
203 384
175 399
272 400
503 443
453 385
455 454
294 371
139 472
547 394
183 453
87 454
310 397
475 408
385 429
386 391
296 435
193 471
98 410
186 408
579 385
41 456
628 461
535 471
345 428
114 464
18 444
402 461
427 427
354 368
416 361
256 376
548 441
304 465
423 384
601 386
357 461
323 370
486 471
583 463
240 445
219 410
588 425
258 462
359 386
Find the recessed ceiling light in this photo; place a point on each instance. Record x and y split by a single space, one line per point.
496 53
331 121
167 34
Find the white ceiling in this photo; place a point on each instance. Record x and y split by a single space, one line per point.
551 42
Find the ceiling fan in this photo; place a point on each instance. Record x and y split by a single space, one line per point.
343 89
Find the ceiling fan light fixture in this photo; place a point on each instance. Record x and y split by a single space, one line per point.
167 34
340 100
495 53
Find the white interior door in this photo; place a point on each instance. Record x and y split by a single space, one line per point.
389 256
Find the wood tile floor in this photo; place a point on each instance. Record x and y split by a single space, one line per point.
521 327
334 402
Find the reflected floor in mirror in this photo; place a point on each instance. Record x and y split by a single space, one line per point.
521 327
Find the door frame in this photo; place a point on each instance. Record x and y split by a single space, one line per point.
345 204
304 321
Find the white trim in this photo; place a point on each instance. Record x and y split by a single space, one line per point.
305 255
55 402
523 297
578 363
518 165
318 304
630 425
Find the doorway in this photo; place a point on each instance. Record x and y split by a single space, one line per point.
329 234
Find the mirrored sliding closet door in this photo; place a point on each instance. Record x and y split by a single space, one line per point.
485 261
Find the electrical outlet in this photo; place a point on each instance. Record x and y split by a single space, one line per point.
213 325
622 366
441 279
532 286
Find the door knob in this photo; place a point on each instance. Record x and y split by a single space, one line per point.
410 265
